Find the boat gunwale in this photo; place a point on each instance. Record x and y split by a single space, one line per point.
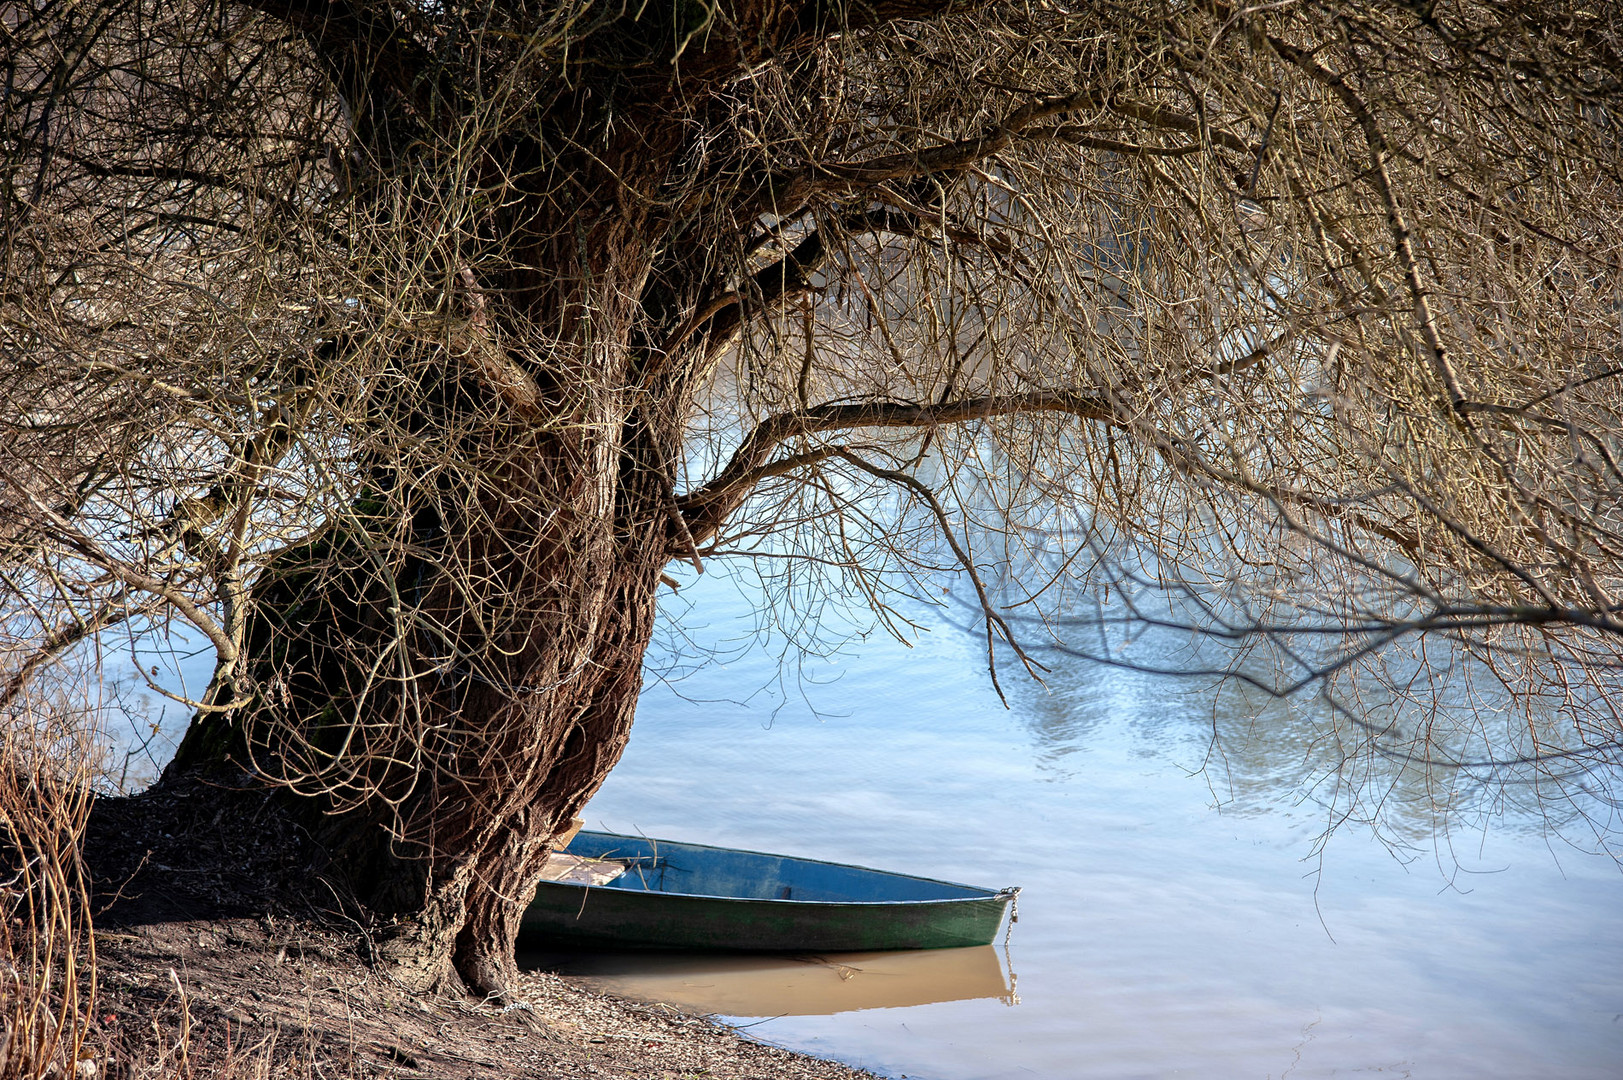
1004 894
1001 895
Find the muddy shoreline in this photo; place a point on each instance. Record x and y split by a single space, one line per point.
220 952
244 997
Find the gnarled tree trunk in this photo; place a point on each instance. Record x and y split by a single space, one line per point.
443 680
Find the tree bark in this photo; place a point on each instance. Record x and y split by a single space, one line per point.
444 847
443 680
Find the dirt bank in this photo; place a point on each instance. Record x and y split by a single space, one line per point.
264 997
214 960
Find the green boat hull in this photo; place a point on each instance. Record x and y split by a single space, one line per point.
688 896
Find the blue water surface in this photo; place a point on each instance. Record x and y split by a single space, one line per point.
1188 908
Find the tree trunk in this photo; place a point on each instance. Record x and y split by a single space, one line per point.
444 679
439 814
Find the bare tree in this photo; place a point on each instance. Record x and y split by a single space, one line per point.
398 348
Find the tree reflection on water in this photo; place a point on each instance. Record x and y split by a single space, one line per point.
1417 736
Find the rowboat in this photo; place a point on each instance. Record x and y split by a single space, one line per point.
629 892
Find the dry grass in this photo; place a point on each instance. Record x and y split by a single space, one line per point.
58 1019
47 950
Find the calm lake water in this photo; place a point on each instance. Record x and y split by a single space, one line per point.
1180 916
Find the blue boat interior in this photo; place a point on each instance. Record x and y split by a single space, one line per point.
696 870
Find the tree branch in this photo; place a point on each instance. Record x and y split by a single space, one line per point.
787 193
706 508
64 637
370 56
995 625
790 277
820 18
1397 223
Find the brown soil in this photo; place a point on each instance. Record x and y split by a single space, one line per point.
214 960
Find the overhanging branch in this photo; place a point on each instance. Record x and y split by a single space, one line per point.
717 320
706 508
787 193
996 626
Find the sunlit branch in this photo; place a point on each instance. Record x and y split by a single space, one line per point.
64 637
719 320
707 507
996 626
788 193
1397 221
224 644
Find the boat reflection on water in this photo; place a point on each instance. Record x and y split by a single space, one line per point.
757 985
